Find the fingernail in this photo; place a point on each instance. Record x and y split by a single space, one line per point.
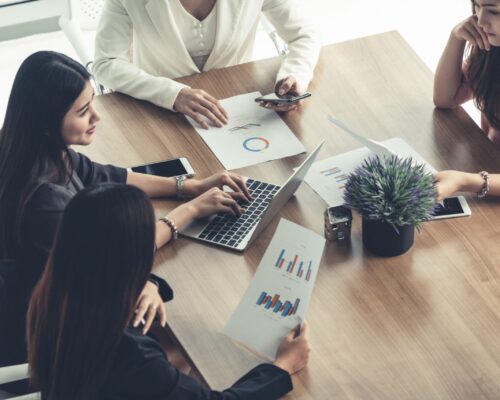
135 324
281 92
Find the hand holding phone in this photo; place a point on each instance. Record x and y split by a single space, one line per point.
285 99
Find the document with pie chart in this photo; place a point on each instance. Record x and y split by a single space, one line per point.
253 134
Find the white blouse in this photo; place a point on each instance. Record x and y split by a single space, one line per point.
198 36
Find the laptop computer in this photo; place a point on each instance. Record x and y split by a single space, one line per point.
238 233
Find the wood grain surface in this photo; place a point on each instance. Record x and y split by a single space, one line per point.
424 325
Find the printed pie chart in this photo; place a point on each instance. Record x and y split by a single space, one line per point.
255 144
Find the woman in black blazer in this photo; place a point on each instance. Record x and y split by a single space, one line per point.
80 343
50 109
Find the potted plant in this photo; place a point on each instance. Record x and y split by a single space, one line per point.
393 195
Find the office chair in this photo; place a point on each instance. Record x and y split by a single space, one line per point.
81 16
280 45
11 373
15 373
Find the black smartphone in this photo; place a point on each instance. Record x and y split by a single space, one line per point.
452 207
167 168
285 99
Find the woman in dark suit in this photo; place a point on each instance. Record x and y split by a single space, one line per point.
80 342
50 109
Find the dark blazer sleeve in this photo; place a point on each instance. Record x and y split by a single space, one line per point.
142 371
92 173
44 211
264 382
164 288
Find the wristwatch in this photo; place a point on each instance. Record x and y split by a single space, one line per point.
179 185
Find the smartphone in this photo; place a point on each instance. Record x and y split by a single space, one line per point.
452 207
285 99
167 168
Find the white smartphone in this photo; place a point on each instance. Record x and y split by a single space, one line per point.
452 207
167 168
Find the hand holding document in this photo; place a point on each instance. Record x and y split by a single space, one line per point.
278 296
252 135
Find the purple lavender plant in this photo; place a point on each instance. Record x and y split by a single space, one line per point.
392 189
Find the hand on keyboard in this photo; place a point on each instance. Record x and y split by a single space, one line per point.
214 201
195 187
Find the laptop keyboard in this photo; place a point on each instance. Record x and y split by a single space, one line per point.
230 230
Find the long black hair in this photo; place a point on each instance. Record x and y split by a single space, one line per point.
100 262
483 74
31 145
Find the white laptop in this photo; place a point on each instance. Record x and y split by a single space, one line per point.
237 233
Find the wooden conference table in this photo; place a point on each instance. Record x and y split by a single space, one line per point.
425 325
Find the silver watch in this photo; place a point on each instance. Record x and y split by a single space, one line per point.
179 185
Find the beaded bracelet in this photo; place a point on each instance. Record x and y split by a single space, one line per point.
172 226
486 185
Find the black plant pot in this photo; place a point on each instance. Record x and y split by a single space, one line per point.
382 239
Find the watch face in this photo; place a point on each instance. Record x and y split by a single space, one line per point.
339 214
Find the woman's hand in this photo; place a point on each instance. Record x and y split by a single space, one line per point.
293 352
448 183
149 305
195 187
470 31
283 87
212 201
200 106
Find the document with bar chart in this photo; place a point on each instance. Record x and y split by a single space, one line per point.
279 294
328 177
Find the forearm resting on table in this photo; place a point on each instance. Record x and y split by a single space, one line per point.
153 186
180 216
473 182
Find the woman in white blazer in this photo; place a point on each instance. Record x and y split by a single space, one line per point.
167 36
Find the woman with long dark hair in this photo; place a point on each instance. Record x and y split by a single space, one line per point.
50 109
476 77
80 343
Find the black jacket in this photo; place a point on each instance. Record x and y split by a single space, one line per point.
43 212
141 371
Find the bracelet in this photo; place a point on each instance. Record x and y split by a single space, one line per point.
171 225
486 185
179 185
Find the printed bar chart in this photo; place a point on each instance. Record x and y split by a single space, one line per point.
294 266
273 303
337 174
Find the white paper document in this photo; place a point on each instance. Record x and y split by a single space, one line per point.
252 135
376 147
278 296
328 177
